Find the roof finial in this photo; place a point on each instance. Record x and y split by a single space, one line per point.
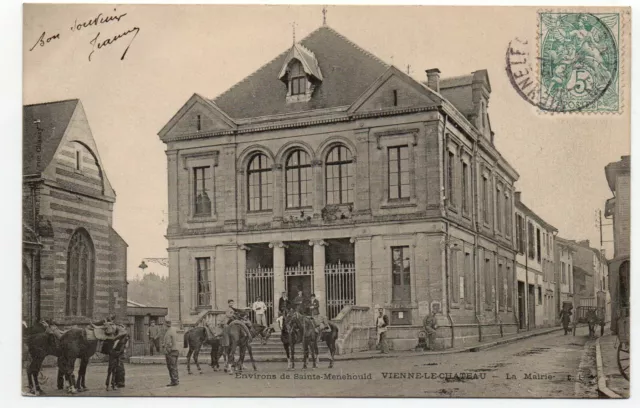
409 69
392 60
294 31
324 15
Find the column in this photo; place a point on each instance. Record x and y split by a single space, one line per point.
362 187
173 302
318 274
242 268
172 175
319 188
364 284
278 197
278 268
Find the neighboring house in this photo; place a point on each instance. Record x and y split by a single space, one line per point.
329 171
565 280
619 208
139 318
537 292
73 261
591 273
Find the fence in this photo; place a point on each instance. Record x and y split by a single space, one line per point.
259 282
340 282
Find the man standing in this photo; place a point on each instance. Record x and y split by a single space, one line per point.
382 321
298 302
154 337
259 308
171 353
430 325
565 317
284 304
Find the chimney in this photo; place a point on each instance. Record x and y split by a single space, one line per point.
433 79
517 196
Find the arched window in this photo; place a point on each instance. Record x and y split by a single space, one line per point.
259 181
339 176
80 275
298 179
297 79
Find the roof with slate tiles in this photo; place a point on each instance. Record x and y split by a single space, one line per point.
347 72
54 119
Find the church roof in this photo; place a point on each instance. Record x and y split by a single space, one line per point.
347 72
54 118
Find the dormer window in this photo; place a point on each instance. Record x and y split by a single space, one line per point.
298 81
301 74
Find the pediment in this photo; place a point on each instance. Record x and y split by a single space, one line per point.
394 90
198 115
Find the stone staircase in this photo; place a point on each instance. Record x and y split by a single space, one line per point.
272 351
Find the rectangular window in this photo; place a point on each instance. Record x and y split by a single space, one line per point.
489 284
451 194
539 295
519 234
465 187
531 241
78 160
203 289
455 280
501 283
562 268
138 328
469 294
202 190
507 215
485 199
498 210
398 172
401 274
509 287
538 243
298 86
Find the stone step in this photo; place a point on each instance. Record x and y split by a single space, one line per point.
205 359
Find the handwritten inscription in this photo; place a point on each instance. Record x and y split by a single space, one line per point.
99 40
101 44
43 40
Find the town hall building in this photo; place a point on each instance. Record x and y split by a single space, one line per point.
331 172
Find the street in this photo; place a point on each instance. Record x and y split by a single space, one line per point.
551 365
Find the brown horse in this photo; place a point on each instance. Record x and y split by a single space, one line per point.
73 345
301 328
240 336
330 338
40 344
194 339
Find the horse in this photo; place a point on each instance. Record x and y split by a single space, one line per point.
40 344
115 354
301 328
73 345
241 338
592 320
330 338
194 339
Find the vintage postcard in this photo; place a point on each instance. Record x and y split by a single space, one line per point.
326 201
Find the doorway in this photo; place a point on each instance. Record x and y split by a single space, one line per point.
521 306
532 306
296 283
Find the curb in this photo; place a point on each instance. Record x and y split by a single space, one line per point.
354 356
602 379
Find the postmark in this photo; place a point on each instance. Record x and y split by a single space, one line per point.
577 70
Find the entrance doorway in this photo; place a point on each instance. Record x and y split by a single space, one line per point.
532 306
296 283
521 306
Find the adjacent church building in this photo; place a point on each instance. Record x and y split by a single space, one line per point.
73 261
331 172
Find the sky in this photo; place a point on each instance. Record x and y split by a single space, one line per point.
181 50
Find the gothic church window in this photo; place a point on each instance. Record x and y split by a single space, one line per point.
80 275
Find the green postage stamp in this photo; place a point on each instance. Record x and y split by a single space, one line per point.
579 62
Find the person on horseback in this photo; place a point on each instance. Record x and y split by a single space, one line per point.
320 321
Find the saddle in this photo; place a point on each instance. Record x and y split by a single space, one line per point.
108 331
213 332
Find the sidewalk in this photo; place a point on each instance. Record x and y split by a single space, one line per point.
610 382
375 354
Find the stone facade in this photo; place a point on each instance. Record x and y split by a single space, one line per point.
619 209
565 280
67 209
536 276
419 215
